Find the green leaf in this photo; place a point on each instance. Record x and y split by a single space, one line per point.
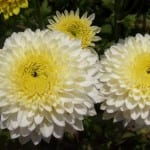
129 21
108 4
45 8
107 29
127 135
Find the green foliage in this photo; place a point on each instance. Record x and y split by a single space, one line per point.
108 4
118 19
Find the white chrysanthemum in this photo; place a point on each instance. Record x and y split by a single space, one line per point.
47 83
76 27
125 81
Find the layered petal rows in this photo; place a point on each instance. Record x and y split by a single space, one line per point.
125 81
48 85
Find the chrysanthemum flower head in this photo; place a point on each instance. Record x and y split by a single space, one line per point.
48 83
12 7
125 81
76 27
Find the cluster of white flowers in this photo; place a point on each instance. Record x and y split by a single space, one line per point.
51 79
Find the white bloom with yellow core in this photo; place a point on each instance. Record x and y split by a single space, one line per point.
47 84
125 81
76 27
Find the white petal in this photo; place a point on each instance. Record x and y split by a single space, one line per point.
14 121
24 132
69 118
68 106
104 78
91 17
118 117
36 138
130 104
22 119
3 103
38 119
30 114
59 109
119 102
141 105
9 110
135 114
4 117
110 101
103 106
58 119
80 109
3 124
94 94
92 112
88 104
111 109
78 125
80 117
107 116
14 134
144 113
46 129
147 121
58 132
47 108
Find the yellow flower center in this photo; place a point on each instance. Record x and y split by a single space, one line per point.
139 70
76 28
39 75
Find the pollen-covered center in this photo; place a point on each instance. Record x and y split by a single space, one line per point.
40 74
139 70
36 69
76 28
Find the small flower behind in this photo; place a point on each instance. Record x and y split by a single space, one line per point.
48 83
12 7
76 27
125 81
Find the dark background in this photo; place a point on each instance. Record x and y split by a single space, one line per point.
118 19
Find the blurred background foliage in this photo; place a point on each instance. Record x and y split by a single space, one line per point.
118 19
